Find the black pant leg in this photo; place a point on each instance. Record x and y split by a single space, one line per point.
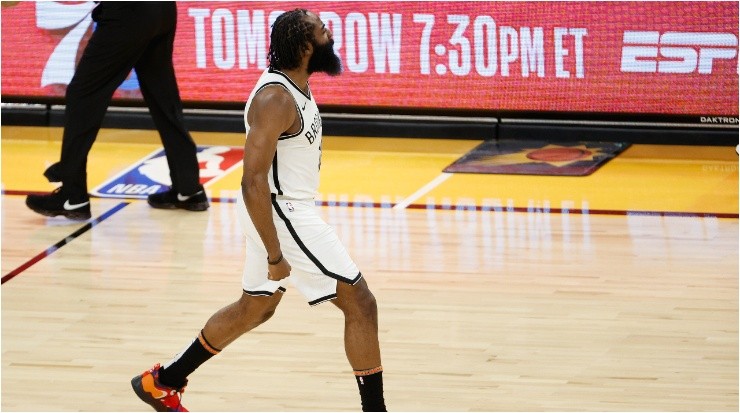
159 87
110 55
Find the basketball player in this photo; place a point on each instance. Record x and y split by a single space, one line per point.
287 242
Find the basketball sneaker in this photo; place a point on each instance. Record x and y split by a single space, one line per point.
60 202
172 199
162 398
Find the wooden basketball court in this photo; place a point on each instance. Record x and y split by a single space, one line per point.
612 292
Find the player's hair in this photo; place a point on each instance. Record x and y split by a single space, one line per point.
289 39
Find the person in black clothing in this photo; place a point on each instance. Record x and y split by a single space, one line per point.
138 35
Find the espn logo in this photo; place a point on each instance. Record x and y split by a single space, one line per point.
675 52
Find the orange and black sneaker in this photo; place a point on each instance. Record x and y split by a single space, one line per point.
161 397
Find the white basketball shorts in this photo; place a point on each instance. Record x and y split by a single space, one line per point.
316 256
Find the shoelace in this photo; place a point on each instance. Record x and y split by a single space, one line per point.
179 396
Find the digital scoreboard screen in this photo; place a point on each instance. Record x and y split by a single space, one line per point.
646 58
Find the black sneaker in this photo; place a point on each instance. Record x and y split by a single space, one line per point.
172 199
60 203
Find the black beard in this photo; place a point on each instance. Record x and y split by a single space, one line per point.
325 60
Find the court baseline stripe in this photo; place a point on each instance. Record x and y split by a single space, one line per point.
423 190
7 277
564 211
576 211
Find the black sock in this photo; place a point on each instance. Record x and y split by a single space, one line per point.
370 383
175 374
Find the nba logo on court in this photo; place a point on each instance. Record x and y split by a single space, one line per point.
151 174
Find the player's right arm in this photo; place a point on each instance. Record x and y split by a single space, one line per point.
271 113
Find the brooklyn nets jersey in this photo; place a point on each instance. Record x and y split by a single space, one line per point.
295 167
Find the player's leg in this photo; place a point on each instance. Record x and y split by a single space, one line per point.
230 322
360 324
323 270
225 326
162 387
361 341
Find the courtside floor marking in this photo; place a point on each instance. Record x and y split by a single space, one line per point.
486 208
423 190
7 277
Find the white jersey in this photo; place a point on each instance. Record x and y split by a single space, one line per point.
295 168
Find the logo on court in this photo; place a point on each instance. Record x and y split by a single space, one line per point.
531 157
151 174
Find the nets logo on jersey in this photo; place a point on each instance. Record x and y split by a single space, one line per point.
151 174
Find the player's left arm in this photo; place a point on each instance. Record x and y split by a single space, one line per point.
271 113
